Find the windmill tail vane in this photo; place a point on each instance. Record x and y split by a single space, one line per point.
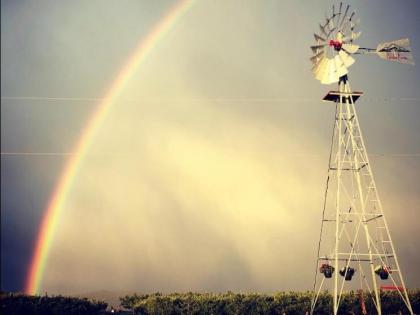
397 50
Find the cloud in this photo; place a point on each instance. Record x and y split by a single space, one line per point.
183 191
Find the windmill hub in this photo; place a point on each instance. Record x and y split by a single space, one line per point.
336 44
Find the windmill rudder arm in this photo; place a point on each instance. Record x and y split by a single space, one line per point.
365 51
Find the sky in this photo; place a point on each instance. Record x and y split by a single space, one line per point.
208 173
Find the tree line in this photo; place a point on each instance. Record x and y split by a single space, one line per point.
289 303
22 304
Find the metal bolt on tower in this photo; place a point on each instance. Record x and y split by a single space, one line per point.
355 247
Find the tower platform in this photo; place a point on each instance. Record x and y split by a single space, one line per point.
334 96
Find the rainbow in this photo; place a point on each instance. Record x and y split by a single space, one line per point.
55 205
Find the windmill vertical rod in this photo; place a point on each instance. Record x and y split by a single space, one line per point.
337 202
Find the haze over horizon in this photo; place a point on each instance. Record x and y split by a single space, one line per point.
209 171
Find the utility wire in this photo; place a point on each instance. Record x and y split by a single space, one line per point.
380 155
215 99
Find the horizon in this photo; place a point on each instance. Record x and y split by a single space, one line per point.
212 159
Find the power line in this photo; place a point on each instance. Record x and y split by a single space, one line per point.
11 154
215 99
36 153
49 98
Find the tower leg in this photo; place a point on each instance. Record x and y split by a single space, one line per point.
337 214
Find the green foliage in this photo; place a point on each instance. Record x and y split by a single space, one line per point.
21 304
290 303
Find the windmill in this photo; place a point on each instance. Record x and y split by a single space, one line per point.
355 246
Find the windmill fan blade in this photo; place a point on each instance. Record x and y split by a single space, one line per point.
331 21
341 68
347 23
322 29
330 74
350 48
324 74
346 58
319 54
344 16
319 69
326 24
338 14
338 63
329 26
353 24
330 70
316 69
397 50
352 37
319 38
316 48
317 57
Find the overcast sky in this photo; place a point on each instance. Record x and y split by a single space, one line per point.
213 178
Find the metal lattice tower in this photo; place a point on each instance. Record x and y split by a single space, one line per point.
355 248
354 233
